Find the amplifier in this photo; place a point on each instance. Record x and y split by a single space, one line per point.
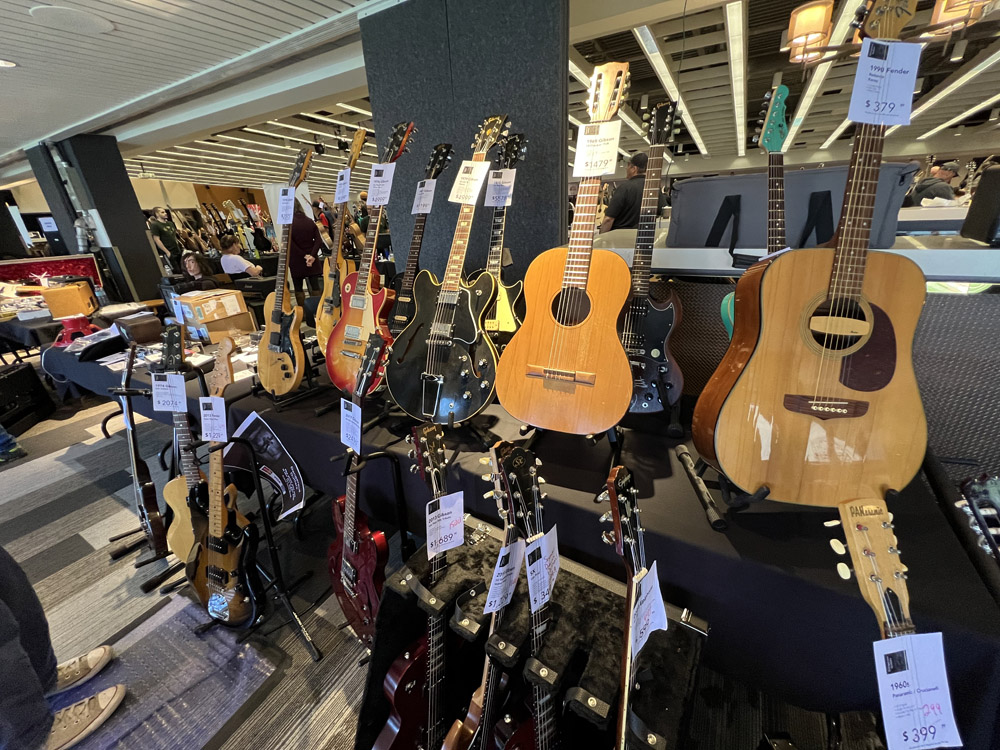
24 401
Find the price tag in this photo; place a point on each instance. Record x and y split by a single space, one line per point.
343 193
500 188
468 182
178 307
445 523
169 393
350 425
913 690
883 85
213 419
648 614
597 149
380 184
286 205
424 198
543 568
504 577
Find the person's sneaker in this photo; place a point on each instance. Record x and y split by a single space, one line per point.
77 671
73 723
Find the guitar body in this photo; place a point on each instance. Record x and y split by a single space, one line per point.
817 429
591 387
187 526
463 733
657 380
350 335
405 307
359 586
329 309
502 320
516 731
467 369
280 357
403 687
223 572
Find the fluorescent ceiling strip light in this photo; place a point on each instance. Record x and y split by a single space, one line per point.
575 121
276 136
736 31
651 48
256 143
238 164
331 120
957 119
836 134
352 108
577 71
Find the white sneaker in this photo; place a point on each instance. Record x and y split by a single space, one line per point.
77 671
76 722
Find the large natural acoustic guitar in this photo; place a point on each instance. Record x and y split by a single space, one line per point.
366 301
816 397
280 357
339 266
565 368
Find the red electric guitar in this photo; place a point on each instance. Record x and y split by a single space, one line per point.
358 555
366 303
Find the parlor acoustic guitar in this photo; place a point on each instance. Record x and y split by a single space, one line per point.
565 368
816 397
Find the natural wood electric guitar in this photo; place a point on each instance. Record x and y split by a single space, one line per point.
816 397
338 268
280 358
565 369
366 302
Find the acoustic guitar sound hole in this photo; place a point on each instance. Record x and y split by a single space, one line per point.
571 306
839 323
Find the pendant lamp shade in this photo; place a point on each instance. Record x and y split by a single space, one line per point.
955 14
802 53
811 24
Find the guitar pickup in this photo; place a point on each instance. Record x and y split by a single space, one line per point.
825 408
566 376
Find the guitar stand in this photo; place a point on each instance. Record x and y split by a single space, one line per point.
734 499
311 388
615 437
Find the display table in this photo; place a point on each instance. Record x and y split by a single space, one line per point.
931 218
30 333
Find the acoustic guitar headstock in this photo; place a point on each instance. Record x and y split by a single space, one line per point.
397 143
173 348
439 161
222 374
774 121
884 19
608 88
357 145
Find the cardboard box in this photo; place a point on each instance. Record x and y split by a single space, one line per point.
213 331
215 304
76 298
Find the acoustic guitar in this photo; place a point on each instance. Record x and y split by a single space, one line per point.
816 397
565 368
222 566
280 358
338 267
366 301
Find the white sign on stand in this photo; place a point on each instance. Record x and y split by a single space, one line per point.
597 149
542 555
500 188
213 419
468 182
343 193
648 614
350 425
505 575
445 523
380 184
423 201
169 393
883 84
286 205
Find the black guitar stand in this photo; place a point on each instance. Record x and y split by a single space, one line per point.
735 499
615 437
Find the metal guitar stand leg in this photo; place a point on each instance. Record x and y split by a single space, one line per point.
275 579
734 498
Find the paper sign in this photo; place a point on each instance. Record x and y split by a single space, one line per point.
277 468
883 84
648 614
350 425
169 393
343 193
543 567
913 690
424 199
213 419
445 523
500 188
48 224
468 182
380 184
597 149
504 577
178 308
286 205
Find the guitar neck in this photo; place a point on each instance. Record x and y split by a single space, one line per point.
435 680
494 260
775 202
452 280
280 281
189 464
368 256
217 513
545 719
339 231
625 681
642 260
413 259
581 235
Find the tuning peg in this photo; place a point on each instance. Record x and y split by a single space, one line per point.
834 522
409 439
838 546
603 497
606 517
755 139
489 495
767 96
414 469
486 460
608 537
487 477
412 455
844 571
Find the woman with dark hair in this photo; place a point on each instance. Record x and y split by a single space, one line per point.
260 242
304 245
196 266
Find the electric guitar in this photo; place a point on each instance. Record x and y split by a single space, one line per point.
237 225
222 566
338 267
441 367
981 503
501 319
414 684
646 324
821 360
565 368
405 307
358 555
366 303
280 357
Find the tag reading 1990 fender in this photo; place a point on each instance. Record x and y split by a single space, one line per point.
883 84
445 523
505 575
597 149
543 567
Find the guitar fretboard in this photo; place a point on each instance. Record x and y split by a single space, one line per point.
452 280
642 260
189 464
413 259
494 261
775 202
217 514
435 659
368 256
581 234
545 720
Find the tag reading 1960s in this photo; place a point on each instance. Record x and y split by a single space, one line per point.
468 182
597 149
350 425
500 188
380 184
445 523
883 84
343 193
648 614
286 205
169 393
213 419
505 575
424 199
542 555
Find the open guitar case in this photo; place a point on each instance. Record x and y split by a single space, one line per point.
580 658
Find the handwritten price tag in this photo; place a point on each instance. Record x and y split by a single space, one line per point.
597 149
504 577
445 523
380 184
468 182
913 691
343 193
424 199
500 187
648 614
169 393
286 205
543 567
350 425
883 84
213 419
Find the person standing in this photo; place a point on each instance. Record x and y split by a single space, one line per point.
165 236
304 245
623 210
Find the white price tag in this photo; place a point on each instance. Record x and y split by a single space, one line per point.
213 419
504 577
424 199
169 393
178 307
883 84
380 184
286 205
343 193
648 614
350 425
543 568
445 523
500 188
597 149
468 182
913 691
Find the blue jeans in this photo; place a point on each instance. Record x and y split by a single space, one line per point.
27 662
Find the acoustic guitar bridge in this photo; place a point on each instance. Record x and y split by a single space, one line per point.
826 408
565 376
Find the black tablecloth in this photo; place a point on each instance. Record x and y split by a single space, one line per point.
29 333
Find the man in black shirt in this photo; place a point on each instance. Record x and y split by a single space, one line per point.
623 211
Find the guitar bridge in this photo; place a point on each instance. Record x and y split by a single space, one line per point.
431 393
826 408
565 376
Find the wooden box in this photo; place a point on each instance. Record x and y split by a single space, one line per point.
75 298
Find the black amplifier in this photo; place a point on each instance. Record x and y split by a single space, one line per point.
24 401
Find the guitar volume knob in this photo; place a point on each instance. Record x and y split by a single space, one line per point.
467 395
